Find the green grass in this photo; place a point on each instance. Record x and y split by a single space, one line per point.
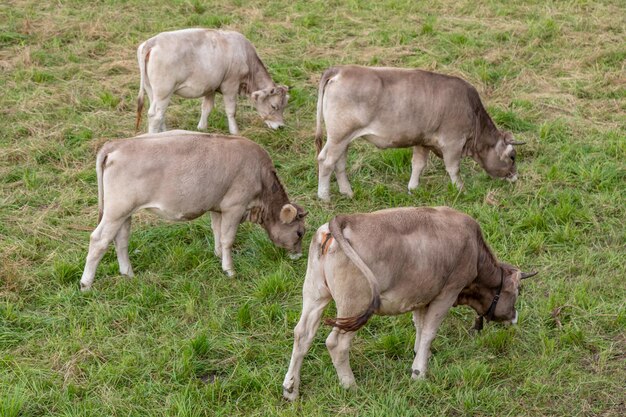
182 339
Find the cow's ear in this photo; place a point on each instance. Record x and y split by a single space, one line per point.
257 95
288 213
507 136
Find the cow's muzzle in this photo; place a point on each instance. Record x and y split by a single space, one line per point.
274 125
511 178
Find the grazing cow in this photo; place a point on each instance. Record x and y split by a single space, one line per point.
181 175
397 108
423 260
198 62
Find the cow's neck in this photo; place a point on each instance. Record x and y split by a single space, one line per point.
489 273
258 77
273 198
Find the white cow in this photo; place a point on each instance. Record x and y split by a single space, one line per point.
196 63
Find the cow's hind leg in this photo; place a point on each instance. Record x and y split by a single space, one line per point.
207 106
98 243
327 160
418 163
342 176
338 344
121 248
156 114
216 225
314 301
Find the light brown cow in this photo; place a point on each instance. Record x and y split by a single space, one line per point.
199 62
422 260
180 176
398 108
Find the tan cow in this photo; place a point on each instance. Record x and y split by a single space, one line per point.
419 260
181 175
196 63
400 108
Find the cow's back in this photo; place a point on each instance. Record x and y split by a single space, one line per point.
412 251
193 172
395 107
197 59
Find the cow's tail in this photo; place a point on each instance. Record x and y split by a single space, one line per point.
351 324
143 78
320 104
101 160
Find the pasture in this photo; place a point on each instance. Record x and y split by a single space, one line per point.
183 339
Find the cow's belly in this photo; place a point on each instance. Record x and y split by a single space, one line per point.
391 306
385 142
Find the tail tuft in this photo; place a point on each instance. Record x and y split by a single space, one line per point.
352 324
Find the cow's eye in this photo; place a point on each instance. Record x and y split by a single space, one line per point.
513 158
300 233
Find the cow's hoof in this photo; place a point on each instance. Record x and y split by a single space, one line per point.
324 197
348 383
416 374
85 287
230 273
295 256
290 395
348 194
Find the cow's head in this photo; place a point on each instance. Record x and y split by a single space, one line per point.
495 303
288 229
499 160
270 103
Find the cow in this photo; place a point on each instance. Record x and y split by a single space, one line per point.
181 175
196 63
398 108
416 259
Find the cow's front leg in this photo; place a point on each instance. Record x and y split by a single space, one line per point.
207 106
216 225
327 161
342 176
435 314
452 161
313 304
99 241
228 229
338 344
230 103
121 248
418 163
418 321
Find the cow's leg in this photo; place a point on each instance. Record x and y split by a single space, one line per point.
230 103
435 314
338 344
418 163
228 229
207 106
315 299
121 248
418 321
342 176
98 243
156 114
216 225
452 160
327 161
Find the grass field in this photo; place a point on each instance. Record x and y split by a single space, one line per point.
182 339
